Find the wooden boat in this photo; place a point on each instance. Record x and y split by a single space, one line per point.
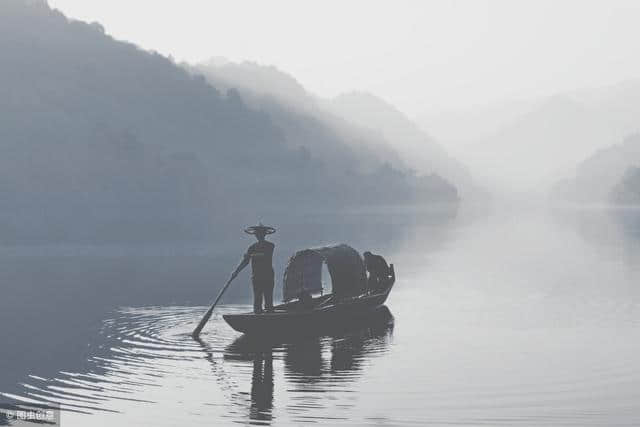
349 301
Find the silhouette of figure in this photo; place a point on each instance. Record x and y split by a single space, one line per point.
262 387
378 270
260 353
260 254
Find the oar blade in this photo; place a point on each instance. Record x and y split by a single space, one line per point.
207 315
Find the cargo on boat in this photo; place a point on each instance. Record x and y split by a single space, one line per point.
351 295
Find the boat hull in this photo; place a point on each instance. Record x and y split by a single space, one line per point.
287 319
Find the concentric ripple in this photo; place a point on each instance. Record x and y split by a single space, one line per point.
144 357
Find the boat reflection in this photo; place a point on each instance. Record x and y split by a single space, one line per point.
310 364
145 357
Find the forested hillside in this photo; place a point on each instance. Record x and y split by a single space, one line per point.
100 140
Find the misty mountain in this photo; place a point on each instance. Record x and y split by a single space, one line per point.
461 128
627 190
357 119
541 145
537 142
257 82
304 124
100 140
420 151
607 175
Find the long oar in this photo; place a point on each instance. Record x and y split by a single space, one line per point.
207 315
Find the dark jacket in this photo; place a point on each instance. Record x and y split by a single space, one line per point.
261 255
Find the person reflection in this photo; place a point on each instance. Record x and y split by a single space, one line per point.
260 354
262 387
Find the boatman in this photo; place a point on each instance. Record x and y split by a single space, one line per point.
260 254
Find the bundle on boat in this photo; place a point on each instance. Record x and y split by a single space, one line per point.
349 299
303 274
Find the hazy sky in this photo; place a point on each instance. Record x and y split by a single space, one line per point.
419 55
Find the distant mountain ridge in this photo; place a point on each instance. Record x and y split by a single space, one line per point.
261 80
298 115
357 118
627 189
419 150
537 142
603 177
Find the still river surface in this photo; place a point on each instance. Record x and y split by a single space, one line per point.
527 317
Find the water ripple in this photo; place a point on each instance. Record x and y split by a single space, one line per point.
140 350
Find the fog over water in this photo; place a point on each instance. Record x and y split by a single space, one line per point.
490 150
495 319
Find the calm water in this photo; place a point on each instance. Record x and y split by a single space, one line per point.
522 318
